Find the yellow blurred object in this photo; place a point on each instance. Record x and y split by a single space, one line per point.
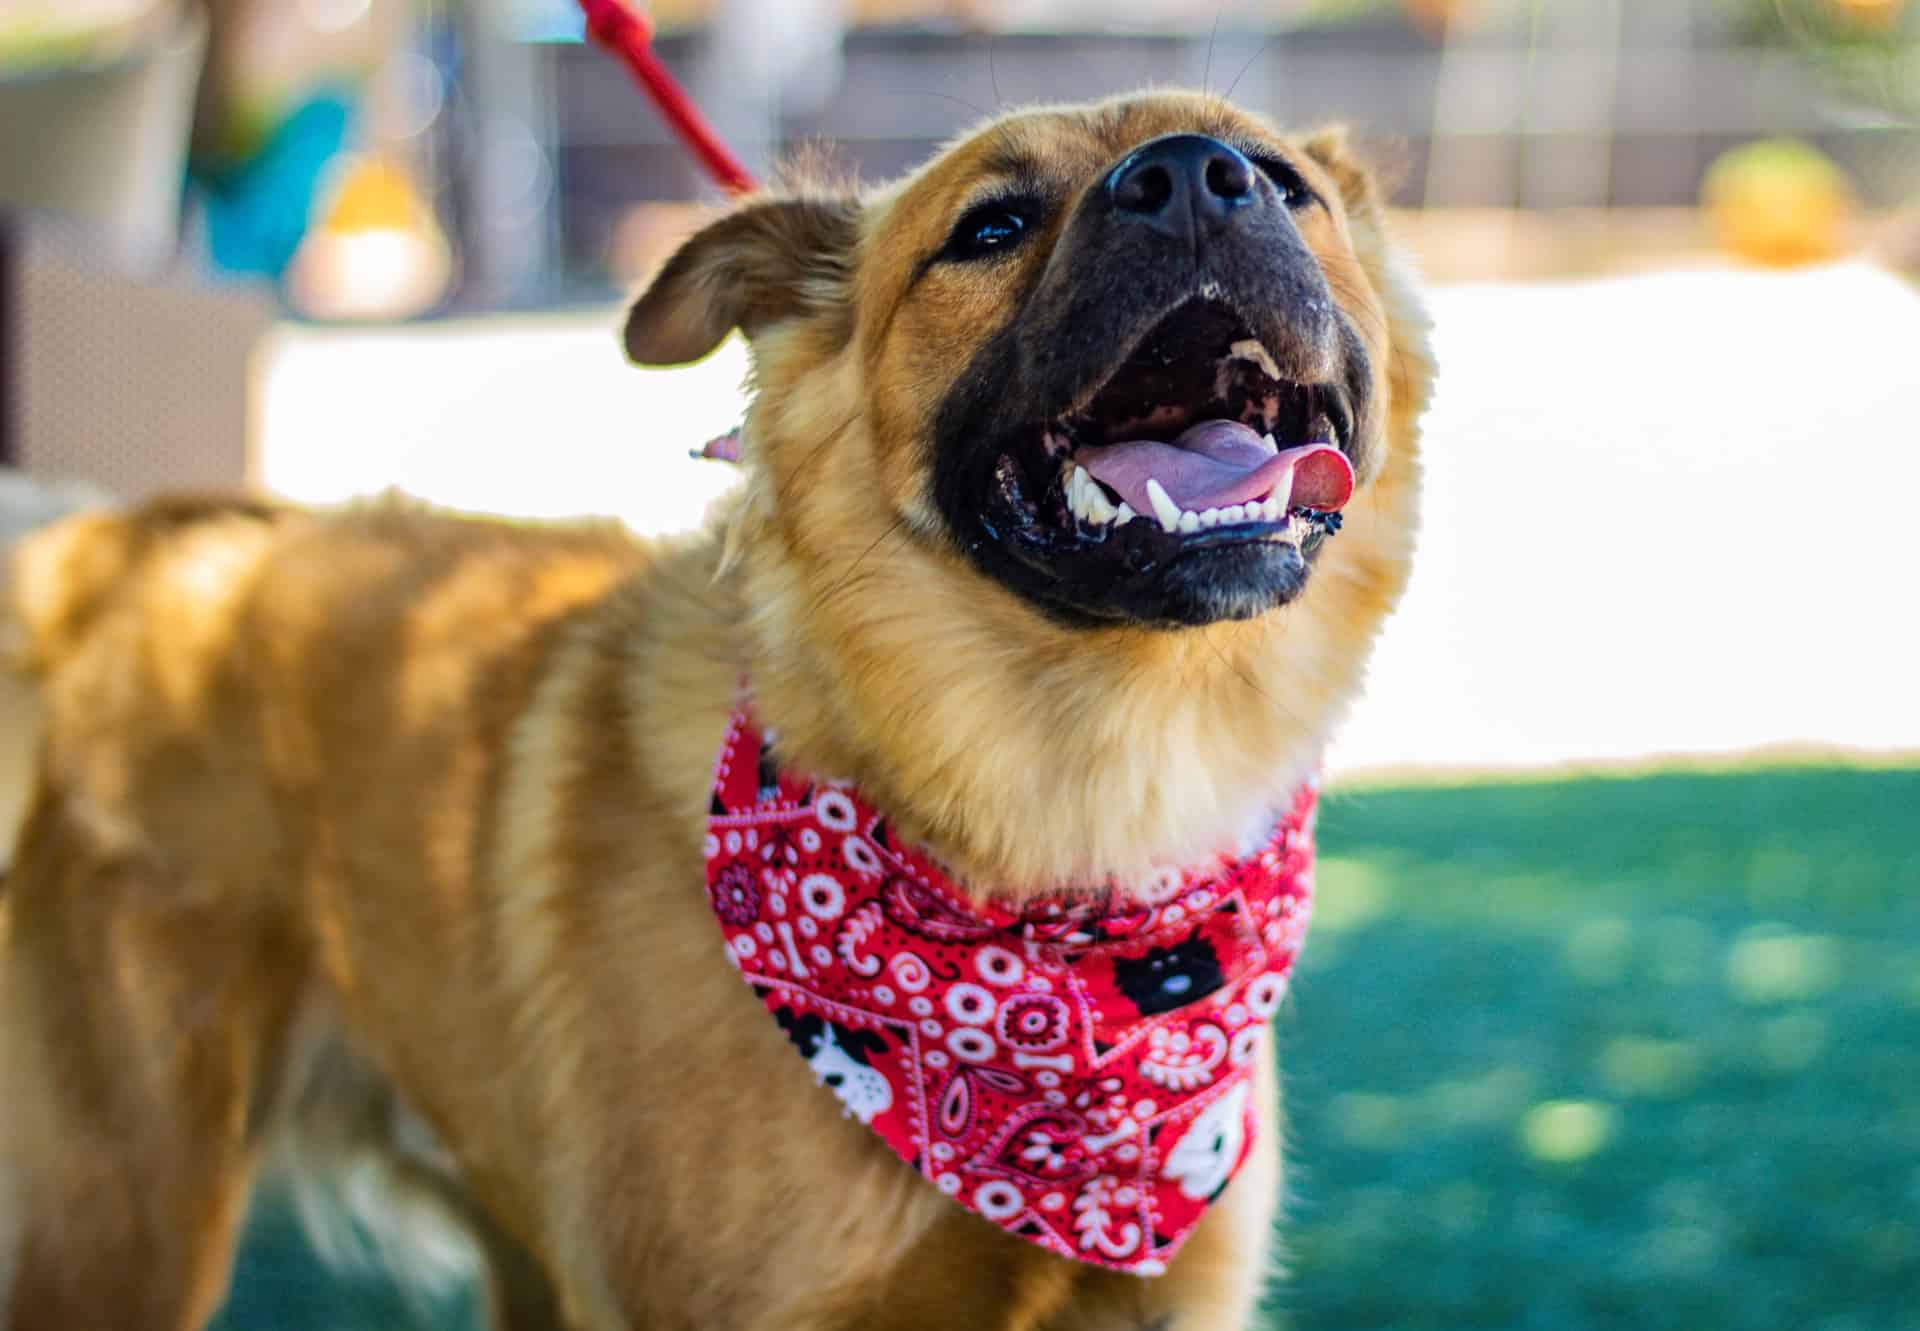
1881 14
379 251
1780 203
375 194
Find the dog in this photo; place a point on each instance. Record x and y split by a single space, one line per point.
419 803
25 506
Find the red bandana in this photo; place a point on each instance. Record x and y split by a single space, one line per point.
1079 1072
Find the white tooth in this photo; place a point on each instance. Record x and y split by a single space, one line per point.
1077 492
1099 507
1232 514
1274 509
1272 445
1163 508
1209 517
1091 500
1125 515
1189 523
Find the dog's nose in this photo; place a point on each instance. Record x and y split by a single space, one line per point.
1184 185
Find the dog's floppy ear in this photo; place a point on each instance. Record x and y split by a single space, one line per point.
1361 189
769 260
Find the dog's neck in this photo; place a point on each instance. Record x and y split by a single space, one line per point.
1028 756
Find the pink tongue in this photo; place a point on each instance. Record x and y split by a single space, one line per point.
1217 464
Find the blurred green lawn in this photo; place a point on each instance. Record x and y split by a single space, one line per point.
1601 1053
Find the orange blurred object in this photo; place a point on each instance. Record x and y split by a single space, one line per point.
1880 14
1780 203
1439 16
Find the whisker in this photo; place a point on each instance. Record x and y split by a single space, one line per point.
974 107
1206 76
833 591
1258 51
806 467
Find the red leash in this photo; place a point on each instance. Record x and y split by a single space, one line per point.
630 36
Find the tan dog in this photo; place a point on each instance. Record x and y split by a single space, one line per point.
390 791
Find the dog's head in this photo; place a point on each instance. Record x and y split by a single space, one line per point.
1081 403
1127 358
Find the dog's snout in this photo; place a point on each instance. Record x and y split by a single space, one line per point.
1183 185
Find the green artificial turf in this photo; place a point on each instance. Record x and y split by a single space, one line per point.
1637 1053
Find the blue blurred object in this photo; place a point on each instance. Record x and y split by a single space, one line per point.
258 212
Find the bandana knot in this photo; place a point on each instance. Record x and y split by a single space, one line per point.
1078 1071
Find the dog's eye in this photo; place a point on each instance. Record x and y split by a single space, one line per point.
1295 192
988 230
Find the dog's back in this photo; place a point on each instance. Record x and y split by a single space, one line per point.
221 682
221 649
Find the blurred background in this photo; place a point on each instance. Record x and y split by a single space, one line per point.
1613 1015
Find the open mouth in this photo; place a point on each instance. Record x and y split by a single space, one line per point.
1197 442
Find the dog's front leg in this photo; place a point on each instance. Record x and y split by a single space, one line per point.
138 1021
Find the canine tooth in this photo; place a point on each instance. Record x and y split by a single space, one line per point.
1209 517
1125 514
1189 523
1088 502
1272 508
1163 508
1272 444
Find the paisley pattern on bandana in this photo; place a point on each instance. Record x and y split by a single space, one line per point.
1078 1072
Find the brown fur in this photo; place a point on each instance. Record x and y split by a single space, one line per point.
438 786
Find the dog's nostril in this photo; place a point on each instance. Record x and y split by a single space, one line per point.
1145 189
1229 178
1182 182
834 1079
